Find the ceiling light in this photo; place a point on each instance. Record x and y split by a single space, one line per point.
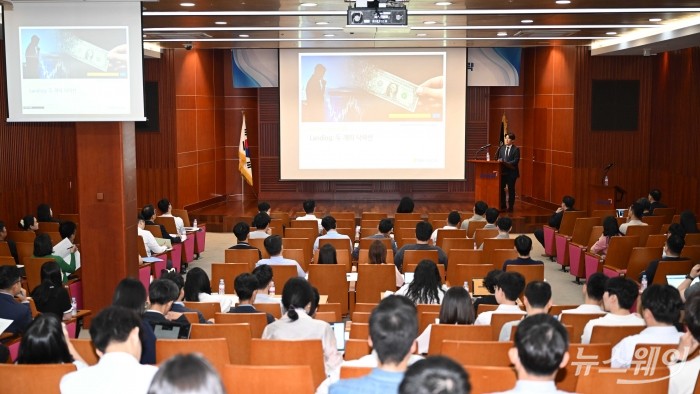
526 21
611 33
322 23
329 35
443 3
308 4
501 34
243 35
429 22
187 4
655 19
220 23
421 35
563 1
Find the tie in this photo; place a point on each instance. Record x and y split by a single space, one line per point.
507 151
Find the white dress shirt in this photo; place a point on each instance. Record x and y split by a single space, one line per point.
583 308
179 223
332 234
311 216
433 236
150 242
116 372
610 320
279 260
484 318
683 377
623 352
633 222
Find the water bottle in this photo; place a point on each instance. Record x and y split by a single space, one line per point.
222 287
488 156
605 181
644 283
74 306
272 287
194 223
466 286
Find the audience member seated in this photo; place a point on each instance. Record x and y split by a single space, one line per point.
10 309
10 243
264 207
149 240
509 285
186 374
646 205
675 229
426 287
504 225
264 276
593 291
377 255
406 205
261 222
491 217
50 297
689 222
655 200
246 286
149 215
523 245
672 252
309 208
435 374
328 223
423 231
198 289
393 327
541 349
490 284
327 255
634 217
661 310
131 294
273 245
178 305
567 204
456 308
166 211
161 295
28 223
537 299
452 223
45 214
620 294
115 334
685 373
480 208
46 341
384 231
242 230
297 298
44 248
67 248
610 229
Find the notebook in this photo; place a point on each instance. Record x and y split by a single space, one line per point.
676 280
478 287
339 331
171 331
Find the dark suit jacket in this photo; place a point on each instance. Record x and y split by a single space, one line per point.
650 271
246 245
250 309
154 318
519 261
182 309
164 233
18 312
513 158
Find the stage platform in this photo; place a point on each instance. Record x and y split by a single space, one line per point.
221 217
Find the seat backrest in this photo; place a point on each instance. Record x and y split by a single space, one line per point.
227 272
365 306
141 247
25 250
582 229
619 250
427 318
21 236
366 242
596 232
613 334
268 307
359 331
654 221
182 214
467 273
491 244
643 232
347 372
215 350
301 232
363 257
305 224
86 350
555 310
568 220
482 353
237 338
437 216
484 233
481 308
499 256
578 322
606 380
299 256
500 319
659 240
338 243
473 226
416 216
664 268
602 213
530 272
168 222
649 353
7 260
297 352
640 258
441 332
579 357
691 252
331 307
259 243
465 256
208 309
367 231
356 348
330 279
328 317
244 256
373 215
257 321
32 267
342 215
443 234
448 244
283 216
372 280
34 378
490 379
282 273
692 239
304 244
4 249
242 379
360 317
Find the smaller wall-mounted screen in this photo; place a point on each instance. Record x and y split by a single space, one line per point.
615 105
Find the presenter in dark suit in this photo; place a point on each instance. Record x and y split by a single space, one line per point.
509 155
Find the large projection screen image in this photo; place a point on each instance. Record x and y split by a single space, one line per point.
380 114
62 67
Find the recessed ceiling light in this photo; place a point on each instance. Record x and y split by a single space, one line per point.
220 23
421 35
321 23
329 35
308 4
243 35
429 22
563 1
501 34
187 4
526 21
611 33
443 3
655 19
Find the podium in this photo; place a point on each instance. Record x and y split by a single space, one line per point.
601 197
487 182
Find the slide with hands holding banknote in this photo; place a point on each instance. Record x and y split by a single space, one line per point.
389 114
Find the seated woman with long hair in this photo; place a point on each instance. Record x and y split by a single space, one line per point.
377 255
610 229
297 299
131 294
198 289
689 222
45 214
50 296
456 308
426 287
44 248
406 205
327 255
46 342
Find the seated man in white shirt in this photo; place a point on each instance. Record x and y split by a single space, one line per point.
620 294
166 211
509 285
273 245
115 334
149 240
504 225
309 208
491 217
661 309
480 208
261 222
685 373
537 299
634 217
541 349
593 291
329 225
453 219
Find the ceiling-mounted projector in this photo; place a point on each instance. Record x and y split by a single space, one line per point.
377 13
